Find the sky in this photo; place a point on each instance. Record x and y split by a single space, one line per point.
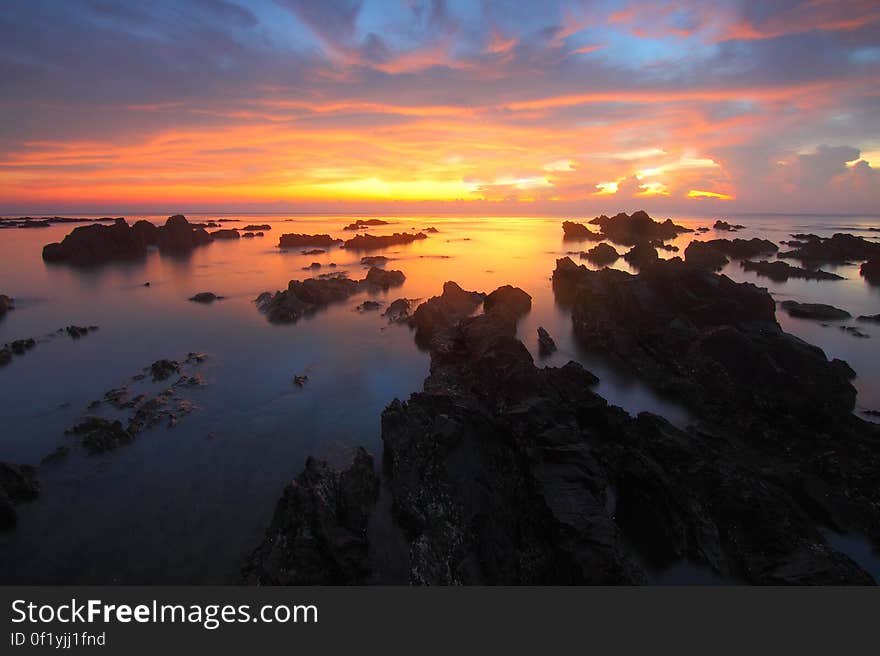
440 105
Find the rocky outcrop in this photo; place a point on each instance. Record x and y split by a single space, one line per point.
641 255
374 260
318 532
818 311
293 240
726 227
178 235
18 483
255 227
573 231
205 297
630 230
368 242
601 254
705 256
440 313
306 296
226 233
6 304
870 270
782 271
739 249
546 345
399 310
839 248
363 224
508 298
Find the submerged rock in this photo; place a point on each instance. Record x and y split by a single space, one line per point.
19 346
854 331
75 332
601 254
374 260
314 251
318 532
814 311
293 240
98 434
367 242
546 345
782 271
205 297
705 256
18 483
630 230
579 232
368 306
164 369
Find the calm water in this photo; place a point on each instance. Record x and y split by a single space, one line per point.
186 505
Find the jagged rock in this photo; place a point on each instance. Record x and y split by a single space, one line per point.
98 434
601 254
374 260
164 369
177 235
782 271
814 311
19 346
367 306
641 255
398 311
18 483
440 312
261 226
205 297
362 224
546 345
300 380
630 230
226 233
318 532
870 270
742 248
509 298
724 225
384 279
578 232
368 242
96 244
314 251
312 266
704 255
839 248
294 240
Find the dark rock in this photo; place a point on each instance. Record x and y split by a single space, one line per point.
164 369
248 235
439 313
6 304
98 434
578 232
367 242
18 483
630 230
374 260
742 248
641 255
226 233
398 311
260 234
367 306
384 279
781 271
5 355
870 270
262 226
75 332
601 254
318 532
724 225
19 346
300 380
840 248
854 331
314 251
57 455
361 224
146 284
96 244
177 235
510 299
814 311
205 297
431 230
312 266
705 256
870 317
294 240
546 345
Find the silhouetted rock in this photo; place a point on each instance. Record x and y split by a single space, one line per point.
840 248
601 254
318 532
725 226
384 279
870 317
814 311
248 235
226 233
312 266
368 242
98 434
6 304
96 244
19 346
178 235
742 248
313 251
399 310
368 306
641 255
510 299
205 297
18 483
854 331
704 255
75 332
261 226
439 313
294 240
781 271
431 230
578 232
546 345
163 369
630 230
362 224
870 270
5 355
374 260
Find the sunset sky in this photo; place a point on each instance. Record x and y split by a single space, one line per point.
488 107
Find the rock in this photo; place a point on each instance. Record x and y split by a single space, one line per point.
314 251
705 256
814 311
177 235
18 483
439 313
205 297
248 235
510 299
870 270
146 284
260 234
164 369
398 311
98 434
639 227
318 532
300 380
6 304
641 255
781 271
724 225
294 240
431 230
75 332
840 248
312 266
361 224
367 242
57 455
601 254
226 233
546 345
374 260
254 228
304 297
578 232
19 346
854 331
742 248
367 306
5 355
96 244
870 317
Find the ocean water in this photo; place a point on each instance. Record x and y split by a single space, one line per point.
187 504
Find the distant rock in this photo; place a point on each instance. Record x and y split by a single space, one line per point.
870 317
314 251
839 248
398 311
641 255
742 248
573 231
546 345
19 346
293 240
630 230
5 355
254 228
870 270
727 227
374 260
814 311
854 331
300 380
312 266
368 306
18 483
248 235
6 304
781 271
601 254
205 297
367 242
431 230
362 224
75 332
226 233
705 256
